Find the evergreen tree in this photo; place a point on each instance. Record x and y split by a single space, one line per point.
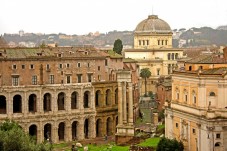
118 46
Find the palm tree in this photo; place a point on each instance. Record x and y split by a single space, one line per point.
145 73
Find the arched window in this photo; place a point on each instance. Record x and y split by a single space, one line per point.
97 98
218 144
108 97
212 94
2 104
61 101
86 99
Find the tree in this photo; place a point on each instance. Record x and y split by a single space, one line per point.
145 73
13 138
118 46
170 145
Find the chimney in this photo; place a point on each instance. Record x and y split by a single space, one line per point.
225 53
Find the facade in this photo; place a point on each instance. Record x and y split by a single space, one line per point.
60 94
153 49
197 113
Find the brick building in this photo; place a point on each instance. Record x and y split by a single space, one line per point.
61 93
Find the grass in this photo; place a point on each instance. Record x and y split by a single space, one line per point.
153 142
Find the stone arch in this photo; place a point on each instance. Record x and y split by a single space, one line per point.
98 128
212 93
109 126
87 95
2 104
17 104
218 144
61 131
116 96
75 126
32 100
47 131
33 130
47 102
86 128
108 97
75 100
97 98
61 101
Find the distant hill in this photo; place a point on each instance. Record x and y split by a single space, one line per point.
193 37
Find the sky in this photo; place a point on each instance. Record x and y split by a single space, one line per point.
84 16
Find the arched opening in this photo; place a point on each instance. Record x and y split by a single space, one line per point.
74 130
116 96
218 144
108 97
47 102
86 128
61 101
212 94
61 131
74 100
97 98
32 103
190 68
47 132
98 128
109 126
17 104
33 131
86 99
2 104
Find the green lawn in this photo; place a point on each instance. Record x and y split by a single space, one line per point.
153 142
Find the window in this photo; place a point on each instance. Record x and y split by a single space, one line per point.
68 79
176 125
172 56
178 96
166 42
51 79
190 68
78 65
15 81
193 131
99 77
158 42
47 66
194 99
14 66
67 65
139 42
218 135
201 67
60 66
212 94
23 66
89 77
31 66
106 62
168 56
147 42
143 42
186 97
158 71
34 80
98 68
176 56
88 64
162 42
79 78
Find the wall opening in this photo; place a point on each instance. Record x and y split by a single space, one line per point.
47 132
33 131
2 104
32 103
98 128
17 104
74 100
74 130
97 98
108 126
86 128
86 99
61 131
61 101
108 97
47 102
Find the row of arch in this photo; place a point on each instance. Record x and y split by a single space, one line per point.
75 129
47 102
107 100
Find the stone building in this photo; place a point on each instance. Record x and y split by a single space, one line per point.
197 113
153 49
60 94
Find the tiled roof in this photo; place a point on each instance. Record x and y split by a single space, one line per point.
65 52
208 58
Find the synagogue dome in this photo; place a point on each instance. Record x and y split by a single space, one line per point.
153 24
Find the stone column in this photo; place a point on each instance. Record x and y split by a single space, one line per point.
81 129
81 99
91 132
9 105
124 104
130 104
54 134
120 114
68 131
39 102
24 105
54 102
68 101
40 133
103 100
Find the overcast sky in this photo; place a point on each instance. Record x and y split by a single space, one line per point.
84 16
